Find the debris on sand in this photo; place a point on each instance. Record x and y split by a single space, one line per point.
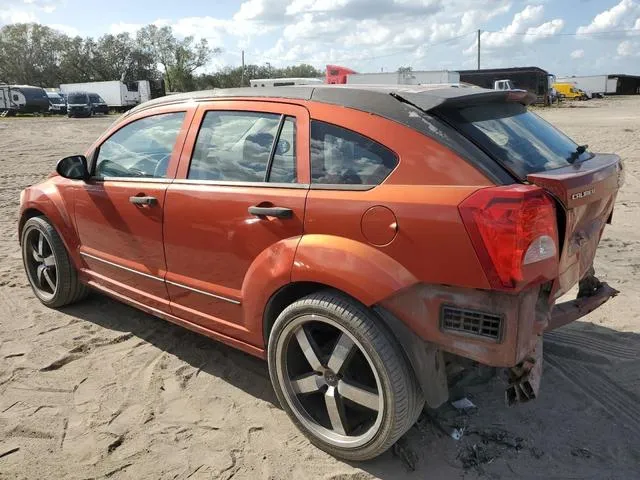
581 452
463 404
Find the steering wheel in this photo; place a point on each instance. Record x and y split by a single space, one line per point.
161 167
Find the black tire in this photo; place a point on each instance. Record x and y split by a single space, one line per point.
401 396
68 288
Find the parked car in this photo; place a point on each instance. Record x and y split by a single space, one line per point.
79 105
98 104
57 103
348 235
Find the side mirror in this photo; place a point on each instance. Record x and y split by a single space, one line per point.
73 167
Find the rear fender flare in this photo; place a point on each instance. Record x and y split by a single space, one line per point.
269 272
367 274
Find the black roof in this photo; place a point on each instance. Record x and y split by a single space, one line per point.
505 70
377 99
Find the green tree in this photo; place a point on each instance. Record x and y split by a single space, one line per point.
30 53
179 58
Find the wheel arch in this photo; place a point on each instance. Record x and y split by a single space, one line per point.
424 359
26 215
49 202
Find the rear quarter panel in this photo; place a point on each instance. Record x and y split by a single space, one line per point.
423 192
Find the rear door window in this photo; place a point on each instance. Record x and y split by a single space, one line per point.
519 139
238 146
343 157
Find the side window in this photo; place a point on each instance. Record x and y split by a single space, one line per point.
341 156
237 146
140 149
94 98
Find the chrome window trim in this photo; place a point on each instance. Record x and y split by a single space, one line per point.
132 179
223 183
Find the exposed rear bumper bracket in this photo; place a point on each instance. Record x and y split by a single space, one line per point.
567 312
524 378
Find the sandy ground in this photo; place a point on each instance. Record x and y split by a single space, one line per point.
100 390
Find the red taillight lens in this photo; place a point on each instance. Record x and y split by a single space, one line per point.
514 232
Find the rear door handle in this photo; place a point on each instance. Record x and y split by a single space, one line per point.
278 212
143 200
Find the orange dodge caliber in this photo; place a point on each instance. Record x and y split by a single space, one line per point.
358 238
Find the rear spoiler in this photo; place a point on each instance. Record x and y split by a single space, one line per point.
451 98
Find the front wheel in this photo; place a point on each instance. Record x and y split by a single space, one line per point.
341 377
52 276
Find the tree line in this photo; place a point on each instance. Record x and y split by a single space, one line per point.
35 54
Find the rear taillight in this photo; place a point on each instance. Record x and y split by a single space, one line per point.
514 233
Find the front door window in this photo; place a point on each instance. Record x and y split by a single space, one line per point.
141 148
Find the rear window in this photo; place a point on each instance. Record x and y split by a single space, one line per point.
519 139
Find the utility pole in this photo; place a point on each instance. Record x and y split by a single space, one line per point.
478 49
242 79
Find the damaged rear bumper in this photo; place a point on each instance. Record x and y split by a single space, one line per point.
524 378
567 312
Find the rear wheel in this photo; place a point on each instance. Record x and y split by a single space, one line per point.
341 377
52 276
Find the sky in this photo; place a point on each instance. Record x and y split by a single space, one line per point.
565 37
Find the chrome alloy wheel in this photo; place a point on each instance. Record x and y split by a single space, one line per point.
329 381
41 263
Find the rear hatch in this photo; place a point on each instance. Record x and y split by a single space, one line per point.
583 184
587 191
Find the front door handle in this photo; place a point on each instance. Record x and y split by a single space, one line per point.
278 212
143 200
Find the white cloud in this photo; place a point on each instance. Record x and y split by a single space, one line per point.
525 27
17 16
627 48
545 30
123 27
620 16
521 21
305 6
577 54
25 11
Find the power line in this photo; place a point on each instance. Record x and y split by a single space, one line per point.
629 30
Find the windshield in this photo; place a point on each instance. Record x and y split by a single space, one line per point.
55 98
77 98
521 140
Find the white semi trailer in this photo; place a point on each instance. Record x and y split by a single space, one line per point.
118 95
593 84
424 77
